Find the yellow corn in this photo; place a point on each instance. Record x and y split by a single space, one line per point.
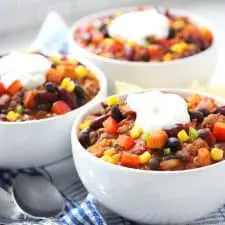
12 116
136 132
178 24
65 82
216 154
110 152
108 41
131 43
145 157
85 124
71 60
81 71
116 158
179 47
167 57
68 84
71 86
107 158
112 100
183 136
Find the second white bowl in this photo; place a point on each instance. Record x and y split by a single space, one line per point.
177 73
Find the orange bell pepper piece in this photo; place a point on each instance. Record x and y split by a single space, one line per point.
60 107
125 141
14 87
129 160
110 125
157 139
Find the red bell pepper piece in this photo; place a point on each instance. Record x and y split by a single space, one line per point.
125 141
60 107
2 88
110 125
219 131
129 160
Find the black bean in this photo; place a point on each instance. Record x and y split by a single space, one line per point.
154 163
203 133
51 87
79 91
84 137
116 113
145 57
69 98
204 111
53 66
220 145
104 29
196 115
174 144
172 33
97 122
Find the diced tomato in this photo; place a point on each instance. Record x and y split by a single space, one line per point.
110 125
2 88
96 149
157 139
15 87
154 51
30 99
55 75
125 141
165 43
115 48
219 131
129 160
60 107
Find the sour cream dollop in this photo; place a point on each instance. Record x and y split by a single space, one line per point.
29 69
136 26
157 111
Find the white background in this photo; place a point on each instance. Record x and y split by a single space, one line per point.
21 19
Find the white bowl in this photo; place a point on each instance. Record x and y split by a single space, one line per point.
166 197
177 73
40 142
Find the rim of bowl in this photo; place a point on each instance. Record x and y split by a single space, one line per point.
196 18
74 136
102 89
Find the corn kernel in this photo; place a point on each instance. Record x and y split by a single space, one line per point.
108 41
131 43
112 100
71 86
65 82
182 136
136 132
216 154
71 60
81 71
179 47
85 124
178 24
145 157
167 57
107 158
12 116
110 152
116 158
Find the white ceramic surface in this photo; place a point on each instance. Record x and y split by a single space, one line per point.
41 142
178 73
172 197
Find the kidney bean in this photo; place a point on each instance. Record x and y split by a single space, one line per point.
183 155
97 122
84 137
154 163
129 52
221 110
4 100
93 137
44 96
69 98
